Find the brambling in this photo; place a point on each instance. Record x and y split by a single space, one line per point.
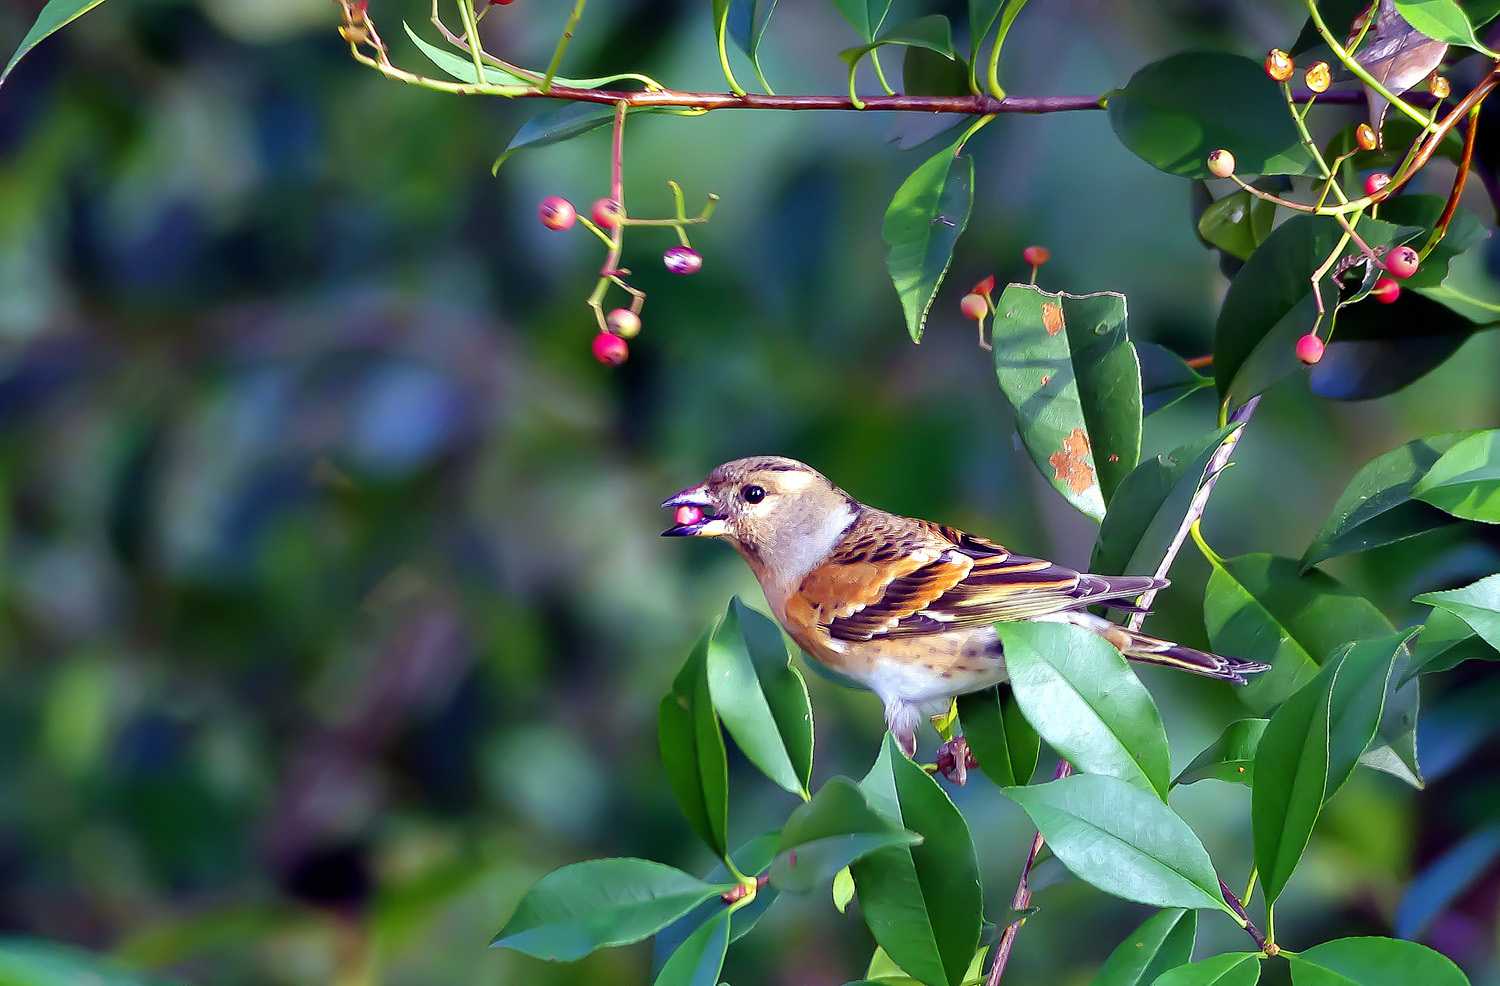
904 607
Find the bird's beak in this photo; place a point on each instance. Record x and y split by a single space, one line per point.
694 518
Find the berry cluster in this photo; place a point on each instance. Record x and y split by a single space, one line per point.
979 303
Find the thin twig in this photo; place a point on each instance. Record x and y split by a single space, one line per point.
1250 929
1022 899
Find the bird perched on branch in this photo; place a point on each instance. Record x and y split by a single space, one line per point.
904 607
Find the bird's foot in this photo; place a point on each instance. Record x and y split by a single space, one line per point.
954 760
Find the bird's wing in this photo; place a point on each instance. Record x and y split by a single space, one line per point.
893 577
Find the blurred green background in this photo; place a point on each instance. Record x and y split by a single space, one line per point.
332 606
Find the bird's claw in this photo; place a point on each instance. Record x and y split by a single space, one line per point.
955 760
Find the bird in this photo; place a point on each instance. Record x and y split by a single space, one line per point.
905 607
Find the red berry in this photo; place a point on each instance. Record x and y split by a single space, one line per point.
610 349
1221 163
1401 262
985 286
687 515
1385 291
974 306
502 3
1279 65
1309 349
1376 182
1035 256
624 323
556 212
682 260
607 213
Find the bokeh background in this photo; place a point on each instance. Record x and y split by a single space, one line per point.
332 607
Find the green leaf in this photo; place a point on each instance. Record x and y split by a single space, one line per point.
752 857
1373 962
692 750
923 222
35 962
925 72
1163 942
1265 608
1477 604
1146 512
1270 301
865 16
1231 757
982 15
922 903
834 829
1175 112
931 32
1066 365
1004 744
1165 377
747 25
564 123
1230 969
598 904
699 960
1466 480
56 15
1357 703
1085 701
760 697
1291 775
1122 840
1237 223
1447 641
1377 506
1441 20
461 67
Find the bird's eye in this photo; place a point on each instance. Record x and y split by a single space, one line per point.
753 494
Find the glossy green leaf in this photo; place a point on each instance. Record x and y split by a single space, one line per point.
931 32
1377 506
1146 512
925 72
835 828
564 123
760 697
1004 744
1175 112
1394 749
923 222
598 904
1357 703
1122 840
1466 480
461 67
1373 962
843 890
1230 969
922 903
1445 642
753 857
865 16
1066 365
699 959
1231 757
1477 604
1165 377
1291 775
56 15
1163 942
35 962
1265 608
747 25
982 15
1237 223
1086 702
692 750
1441 20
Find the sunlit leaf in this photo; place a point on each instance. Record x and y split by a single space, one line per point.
923 222
1373 962
1441 20
1478 605
1466 480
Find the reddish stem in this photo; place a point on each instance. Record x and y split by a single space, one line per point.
1022 899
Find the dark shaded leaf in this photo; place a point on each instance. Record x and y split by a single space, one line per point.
564 123
598 904
1231 757
865 16
931 32
1163 942
692 750
923 222
1004 744
699 959
925 72
1237 223
1165 377
834 829
1175 112
753 857
747 25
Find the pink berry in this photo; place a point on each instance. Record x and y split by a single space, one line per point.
607 213
985 286
682 260
687 515
557 212
1385 291
1309 349
1401 262
974 306
1035 256
624 323
1221 163
610 349
1376 182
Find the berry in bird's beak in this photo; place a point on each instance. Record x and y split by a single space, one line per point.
693 516
687 515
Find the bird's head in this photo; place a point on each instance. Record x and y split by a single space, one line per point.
769 507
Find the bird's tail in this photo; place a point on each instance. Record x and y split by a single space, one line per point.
1142 647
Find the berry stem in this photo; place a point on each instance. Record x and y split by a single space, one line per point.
1006 20
1346 56
880 72
721 29
1451 208
471 32
562 45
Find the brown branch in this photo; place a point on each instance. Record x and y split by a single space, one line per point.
1256 935
1022 899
